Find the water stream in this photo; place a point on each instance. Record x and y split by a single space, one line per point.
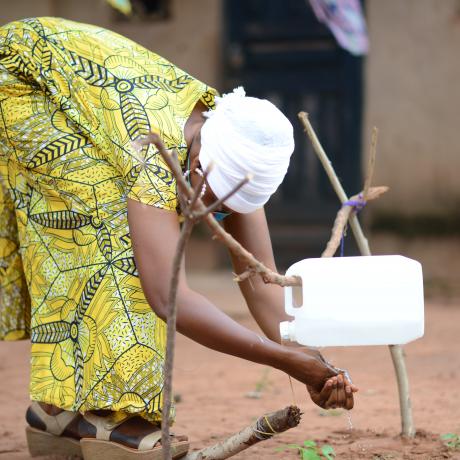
350 422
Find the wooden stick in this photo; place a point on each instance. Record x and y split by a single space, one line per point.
371 163
191 196
211 208
254 266
399 363
397 352
170 338
361 240
263 428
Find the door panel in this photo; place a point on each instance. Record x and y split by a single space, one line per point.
279 51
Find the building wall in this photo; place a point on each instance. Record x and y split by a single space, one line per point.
411 82
412 94
190 38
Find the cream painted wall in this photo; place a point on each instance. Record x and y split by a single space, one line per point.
412 95
190 38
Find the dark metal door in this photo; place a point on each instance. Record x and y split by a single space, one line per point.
278 50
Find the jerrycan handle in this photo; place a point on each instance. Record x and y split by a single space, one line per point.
289 305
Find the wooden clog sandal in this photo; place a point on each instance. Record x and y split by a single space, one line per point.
116 440
46 433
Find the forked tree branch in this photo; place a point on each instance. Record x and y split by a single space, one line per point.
397 351
193 211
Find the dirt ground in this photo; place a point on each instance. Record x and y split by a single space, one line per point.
215 390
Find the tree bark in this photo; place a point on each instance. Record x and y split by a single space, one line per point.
263 428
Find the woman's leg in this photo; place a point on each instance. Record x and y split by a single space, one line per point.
15 302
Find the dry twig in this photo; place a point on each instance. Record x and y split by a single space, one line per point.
371 164
397 352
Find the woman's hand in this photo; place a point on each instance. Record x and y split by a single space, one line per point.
336 392
327 386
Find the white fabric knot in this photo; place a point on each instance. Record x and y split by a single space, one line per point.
246 135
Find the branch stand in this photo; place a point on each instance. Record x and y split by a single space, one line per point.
194 210
397 351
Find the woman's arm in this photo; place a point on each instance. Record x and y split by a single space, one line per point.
154 234
265 301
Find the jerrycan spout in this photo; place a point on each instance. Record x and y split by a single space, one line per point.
287 331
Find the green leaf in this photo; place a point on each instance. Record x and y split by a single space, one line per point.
309 443
449 436
310 454
328 452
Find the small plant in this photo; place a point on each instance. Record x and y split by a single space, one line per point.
451 440
311 450
261 385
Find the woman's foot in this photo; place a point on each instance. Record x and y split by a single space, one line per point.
132 432
47 433
134 438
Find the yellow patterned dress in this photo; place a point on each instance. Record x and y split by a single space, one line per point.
72 98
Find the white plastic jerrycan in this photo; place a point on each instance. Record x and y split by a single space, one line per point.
349 301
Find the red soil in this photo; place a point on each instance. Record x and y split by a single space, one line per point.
214 390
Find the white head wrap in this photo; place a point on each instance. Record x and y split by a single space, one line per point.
245 135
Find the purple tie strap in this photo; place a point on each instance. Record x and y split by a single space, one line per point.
357 204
